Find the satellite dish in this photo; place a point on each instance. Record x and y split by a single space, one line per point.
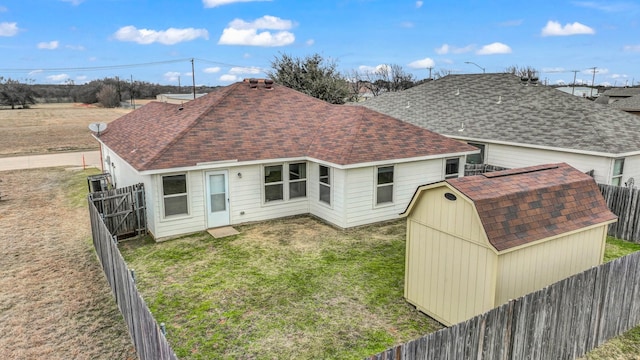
97 127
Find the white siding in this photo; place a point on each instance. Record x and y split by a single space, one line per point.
515 157
121 172
360 187
631 169
333 213
177 225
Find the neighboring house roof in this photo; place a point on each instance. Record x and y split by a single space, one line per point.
520 206
622 92
502 108
631 103
244 123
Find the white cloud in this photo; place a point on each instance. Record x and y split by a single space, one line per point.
58 78
229 78
74 2
3 9
246 56
51 45
619 76
310 42
212 70
494 48
81 78
171 76
8 29
422 64
372 69
607 7
553 28
632 48
407 24
446 49
216 3
166 37
245 70
240 32
599 71
34 72
511 23
554 70
419 4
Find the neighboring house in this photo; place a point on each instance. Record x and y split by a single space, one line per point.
616 94
475 242
519 123
253 151
177 98
581 91
630 105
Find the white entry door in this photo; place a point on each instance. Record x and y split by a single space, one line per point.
217 198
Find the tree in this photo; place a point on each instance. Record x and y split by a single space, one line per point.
385 78
528 71
14 93
108 96
312 75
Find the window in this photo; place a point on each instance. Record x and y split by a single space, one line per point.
277 186
476 158
384 185
297 180
451 168
325 184
273 184
174 194
618 169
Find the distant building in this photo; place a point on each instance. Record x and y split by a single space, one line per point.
581 91
176 98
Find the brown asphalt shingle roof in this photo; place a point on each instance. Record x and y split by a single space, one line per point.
524 205
240 123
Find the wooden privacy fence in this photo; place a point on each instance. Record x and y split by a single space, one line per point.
145 333
122 209
624 202
561 321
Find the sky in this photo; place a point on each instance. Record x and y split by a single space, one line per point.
224 41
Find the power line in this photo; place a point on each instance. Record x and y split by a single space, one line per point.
94 68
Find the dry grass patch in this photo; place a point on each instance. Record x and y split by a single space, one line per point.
46 128
54 300
291 288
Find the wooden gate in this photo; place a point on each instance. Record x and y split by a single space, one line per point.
123 210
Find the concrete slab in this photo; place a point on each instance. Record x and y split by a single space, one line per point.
223 232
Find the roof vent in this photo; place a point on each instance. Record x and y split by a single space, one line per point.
534 80
268 83
253 83
524 80
181 107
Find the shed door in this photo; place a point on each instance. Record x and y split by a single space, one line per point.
217 199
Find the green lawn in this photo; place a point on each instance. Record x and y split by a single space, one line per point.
293 288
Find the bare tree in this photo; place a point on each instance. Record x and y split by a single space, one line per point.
108 96
527 71
385 78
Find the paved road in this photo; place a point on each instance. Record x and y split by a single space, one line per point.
76 159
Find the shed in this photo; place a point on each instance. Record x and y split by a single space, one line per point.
473 243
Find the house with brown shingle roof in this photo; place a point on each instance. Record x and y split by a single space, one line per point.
255 150
474 243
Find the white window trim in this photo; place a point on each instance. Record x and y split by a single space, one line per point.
376 186
329 185
618 176
444 168
285 183
163 217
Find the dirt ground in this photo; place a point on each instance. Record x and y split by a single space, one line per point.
54 300
47 128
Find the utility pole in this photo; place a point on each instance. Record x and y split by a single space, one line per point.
133 101
573 86
593 80
193 78
430 68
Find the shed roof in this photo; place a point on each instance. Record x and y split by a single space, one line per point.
502 108
240 122
520 206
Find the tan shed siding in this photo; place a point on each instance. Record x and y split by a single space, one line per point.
531 268
515 157
360 186
448 278
454 217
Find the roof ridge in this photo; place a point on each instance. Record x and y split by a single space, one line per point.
226 91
